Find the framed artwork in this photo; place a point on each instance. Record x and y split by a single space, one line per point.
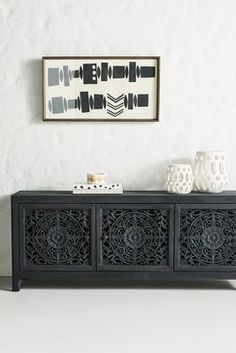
101 88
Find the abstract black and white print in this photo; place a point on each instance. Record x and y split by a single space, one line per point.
101 88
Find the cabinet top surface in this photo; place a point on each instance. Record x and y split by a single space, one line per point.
149 193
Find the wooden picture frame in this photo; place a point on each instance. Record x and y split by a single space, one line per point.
106 88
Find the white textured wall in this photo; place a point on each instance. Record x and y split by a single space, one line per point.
196 40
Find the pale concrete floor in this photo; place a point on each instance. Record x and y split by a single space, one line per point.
64 317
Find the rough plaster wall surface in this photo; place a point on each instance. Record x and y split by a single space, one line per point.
196 40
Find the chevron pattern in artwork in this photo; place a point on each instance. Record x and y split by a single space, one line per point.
115 100
115 105
115 114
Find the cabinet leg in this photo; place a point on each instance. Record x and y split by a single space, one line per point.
15 284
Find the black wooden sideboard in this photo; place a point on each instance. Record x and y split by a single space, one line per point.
140 235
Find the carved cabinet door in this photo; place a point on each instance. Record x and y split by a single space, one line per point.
135 237
205 237
57 237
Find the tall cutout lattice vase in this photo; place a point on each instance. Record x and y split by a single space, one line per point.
209 171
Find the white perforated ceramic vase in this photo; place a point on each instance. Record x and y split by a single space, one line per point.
209 171
179 178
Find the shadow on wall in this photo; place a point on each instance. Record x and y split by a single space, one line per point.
32 70
5 236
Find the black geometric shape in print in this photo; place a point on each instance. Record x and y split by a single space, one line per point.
118 71
90 73
98 72
125 101
78 102
130 101
110 72
98 101
76 74
142 100
147 71
84 98
132 71
104 73
91 102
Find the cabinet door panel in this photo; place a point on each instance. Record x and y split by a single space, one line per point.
132 237
55 237
205 237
